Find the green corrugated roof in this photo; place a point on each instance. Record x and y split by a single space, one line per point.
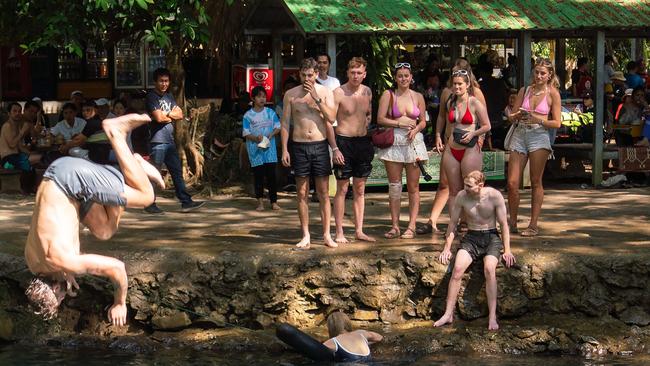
346 16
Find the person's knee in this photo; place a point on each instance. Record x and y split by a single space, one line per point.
103 232
536 184
457 274
359 190
490 270
513 185
341 189
394 190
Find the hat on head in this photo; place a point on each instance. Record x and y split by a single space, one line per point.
76 92
618 75
37 99
629 91
101 101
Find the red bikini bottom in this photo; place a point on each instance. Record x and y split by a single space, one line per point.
457 153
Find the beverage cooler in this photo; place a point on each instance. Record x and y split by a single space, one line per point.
247 77
135 64
88 72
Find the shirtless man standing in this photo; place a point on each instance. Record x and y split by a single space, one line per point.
311 107
77 191
483 207
354 152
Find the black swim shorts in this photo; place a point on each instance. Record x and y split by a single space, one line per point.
358 153
479 243
311 159
87 182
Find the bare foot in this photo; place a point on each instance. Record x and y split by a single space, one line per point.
120 126
304 243
340 238
493 325
329 242
275 207
363 237
260 207
444 320
150 171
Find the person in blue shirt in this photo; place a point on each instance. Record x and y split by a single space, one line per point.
260 126
632 78
163 110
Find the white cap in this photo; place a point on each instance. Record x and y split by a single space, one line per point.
76 92
101 101
629 91
37 99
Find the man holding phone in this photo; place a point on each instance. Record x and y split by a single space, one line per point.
311 107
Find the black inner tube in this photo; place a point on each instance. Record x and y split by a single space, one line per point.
303 343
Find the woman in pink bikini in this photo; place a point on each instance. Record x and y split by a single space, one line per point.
403 110
537 108
470 120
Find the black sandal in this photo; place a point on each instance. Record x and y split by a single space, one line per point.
424 229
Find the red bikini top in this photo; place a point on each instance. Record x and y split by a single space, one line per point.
467 117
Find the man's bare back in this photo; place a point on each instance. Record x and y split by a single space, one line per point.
354 108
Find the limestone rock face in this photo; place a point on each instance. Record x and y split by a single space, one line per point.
171 321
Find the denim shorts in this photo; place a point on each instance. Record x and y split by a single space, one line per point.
528 139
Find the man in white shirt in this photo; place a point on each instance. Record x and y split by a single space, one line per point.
323 78
68 127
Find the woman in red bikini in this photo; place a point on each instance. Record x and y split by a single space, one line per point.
463 153
403 110
537 109
442 192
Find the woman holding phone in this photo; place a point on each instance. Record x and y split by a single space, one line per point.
537 109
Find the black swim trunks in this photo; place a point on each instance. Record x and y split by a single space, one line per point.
87 182
311 159
358 153
479 243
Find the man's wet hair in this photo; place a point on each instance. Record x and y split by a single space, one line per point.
308 63
42 298
12 104
477 176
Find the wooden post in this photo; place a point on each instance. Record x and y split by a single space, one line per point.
330 44
455 48
524 47
599 118
633 49
560 61
276 55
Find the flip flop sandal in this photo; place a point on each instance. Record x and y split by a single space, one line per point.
424 229
529 232
392 234
408 234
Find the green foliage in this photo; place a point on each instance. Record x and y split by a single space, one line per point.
70 24
384 51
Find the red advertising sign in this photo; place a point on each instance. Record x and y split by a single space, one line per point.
261 77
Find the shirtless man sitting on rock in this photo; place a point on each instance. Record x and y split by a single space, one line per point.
483 207
311 107
77 191
354 152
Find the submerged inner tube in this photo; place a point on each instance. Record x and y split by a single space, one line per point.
303 343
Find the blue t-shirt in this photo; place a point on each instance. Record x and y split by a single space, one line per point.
162 133
260 123
634 81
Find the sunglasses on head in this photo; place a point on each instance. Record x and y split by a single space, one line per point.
460 72
400 65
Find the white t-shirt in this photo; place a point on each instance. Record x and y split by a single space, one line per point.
62 128
331 82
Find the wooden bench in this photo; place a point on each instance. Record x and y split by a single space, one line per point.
10 181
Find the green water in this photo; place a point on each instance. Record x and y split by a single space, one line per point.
19 355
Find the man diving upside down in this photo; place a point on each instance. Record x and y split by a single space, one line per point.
77 191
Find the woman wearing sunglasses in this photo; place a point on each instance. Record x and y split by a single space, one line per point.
442 123
403 110
470 121
538 108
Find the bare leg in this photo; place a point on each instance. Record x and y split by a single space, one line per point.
413 187
538 161
394 172
359 205
516 165
322 189
137 191
463 260
151 171
339 209
102 221
260 204
452 168
302 190
440 200
489 267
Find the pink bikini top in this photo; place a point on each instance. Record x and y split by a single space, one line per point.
542 108
397 114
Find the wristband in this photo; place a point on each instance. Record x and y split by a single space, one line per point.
335 149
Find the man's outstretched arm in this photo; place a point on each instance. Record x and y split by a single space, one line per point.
97 265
